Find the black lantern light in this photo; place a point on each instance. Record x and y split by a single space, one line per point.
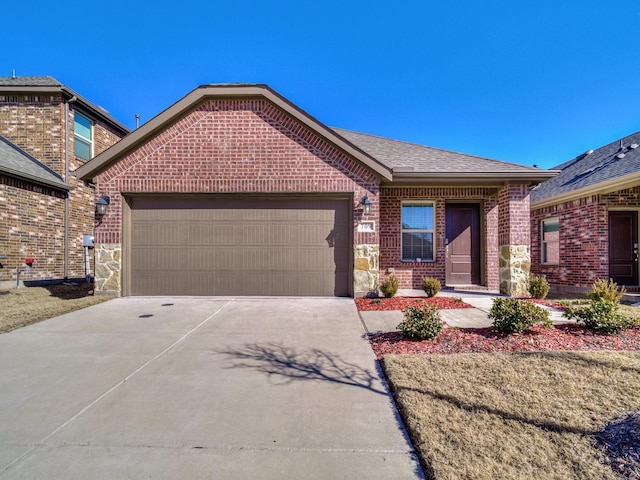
102 204
366 203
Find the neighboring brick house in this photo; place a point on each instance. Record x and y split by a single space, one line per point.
46 132
234 190
584 222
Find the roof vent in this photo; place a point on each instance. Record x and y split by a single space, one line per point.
620 155
633 146
621 147
582 155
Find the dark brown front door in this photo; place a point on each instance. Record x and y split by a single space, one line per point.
463 244
623 247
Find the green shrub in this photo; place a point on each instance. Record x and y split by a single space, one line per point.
601 316
421 322
376 301
390 286
510 315
431 286
538 287
606 290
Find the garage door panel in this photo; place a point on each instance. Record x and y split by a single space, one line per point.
217 246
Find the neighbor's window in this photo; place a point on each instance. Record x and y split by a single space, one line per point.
418 220
83 131
551 241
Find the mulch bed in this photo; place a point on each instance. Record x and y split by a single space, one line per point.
398 303
487 340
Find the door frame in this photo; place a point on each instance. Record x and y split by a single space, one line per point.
624 209
481 236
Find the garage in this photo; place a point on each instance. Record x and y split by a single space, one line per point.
238 245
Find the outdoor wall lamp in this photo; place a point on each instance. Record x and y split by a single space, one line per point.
102 204
366 203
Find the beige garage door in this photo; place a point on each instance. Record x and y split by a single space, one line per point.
239 246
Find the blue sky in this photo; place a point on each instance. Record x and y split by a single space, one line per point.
526 82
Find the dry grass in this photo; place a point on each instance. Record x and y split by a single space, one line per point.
513 416
26 305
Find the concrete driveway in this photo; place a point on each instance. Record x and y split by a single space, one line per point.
191 388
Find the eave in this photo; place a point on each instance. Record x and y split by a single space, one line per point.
68 94
35 180
472 178
615 184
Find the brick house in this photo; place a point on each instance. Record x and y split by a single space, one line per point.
234 190
46 132
584 222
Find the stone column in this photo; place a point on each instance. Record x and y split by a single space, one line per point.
108 269
514 239
365 271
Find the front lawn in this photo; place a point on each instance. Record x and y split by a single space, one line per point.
26 305
513 416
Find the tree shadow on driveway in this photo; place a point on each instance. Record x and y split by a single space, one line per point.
283 365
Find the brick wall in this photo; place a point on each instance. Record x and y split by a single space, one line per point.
230 146
32 225
514 212
410 274
584 244
35 123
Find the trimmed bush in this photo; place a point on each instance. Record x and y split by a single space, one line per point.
431 286
389 287
510 315
421 322
538 287
606 290
601 316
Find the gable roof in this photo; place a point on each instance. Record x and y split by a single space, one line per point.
391 160
612 167
47 84
17 163
410 161
236 91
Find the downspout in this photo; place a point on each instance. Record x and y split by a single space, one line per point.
66 181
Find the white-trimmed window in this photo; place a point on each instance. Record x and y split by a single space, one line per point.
418 230
551 241
83 132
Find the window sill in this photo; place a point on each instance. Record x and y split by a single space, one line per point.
418 261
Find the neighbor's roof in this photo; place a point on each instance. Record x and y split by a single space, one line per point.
411 161
17 163
47 84
29 82
613 167
391 160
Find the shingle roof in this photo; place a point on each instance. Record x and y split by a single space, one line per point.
590 169
403 156
29 82
18 163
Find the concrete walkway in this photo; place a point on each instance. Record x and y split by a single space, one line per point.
476 317
186 388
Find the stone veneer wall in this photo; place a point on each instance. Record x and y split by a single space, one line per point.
514 239
515 264
366 273
108 276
